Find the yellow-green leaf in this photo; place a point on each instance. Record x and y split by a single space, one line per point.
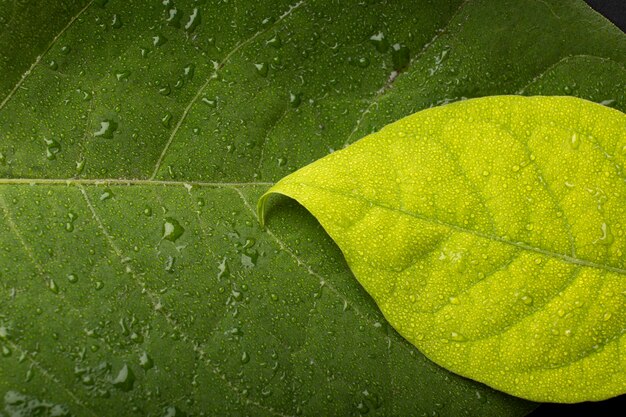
491 234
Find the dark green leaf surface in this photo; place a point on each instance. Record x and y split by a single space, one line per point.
134 279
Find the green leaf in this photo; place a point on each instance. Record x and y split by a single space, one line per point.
490 232
133 135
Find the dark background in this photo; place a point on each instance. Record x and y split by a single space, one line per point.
615 11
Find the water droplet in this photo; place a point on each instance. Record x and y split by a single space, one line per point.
65 49
145 361
172 229
209 102
295 99
607 237
194 20
527 299
166 120
116 22
99 285
274 297
400 56
606 317
73 278
261 69
169 264
122 75
107 128
173 17
6 352
274 42
457 337
165 90
363 62
52 286
222 269
189 71
147 211
575 141
53 65
106 194
159 40
245 358
124 380
379 41
52 148
80 165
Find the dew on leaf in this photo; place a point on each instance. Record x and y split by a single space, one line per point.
173 17
73 278
379 41
274 42
159 40
261 69
52 148
172 229
116 21
400 56
106 130
106 194
124 380
193 21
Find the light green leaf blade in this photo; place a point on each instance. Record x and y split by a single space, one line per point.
136 101
491 234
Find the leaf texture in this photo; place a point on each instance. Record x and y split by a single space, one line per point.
490 234
129 133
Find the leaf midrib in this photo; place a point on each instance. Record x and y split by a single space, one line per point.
521 245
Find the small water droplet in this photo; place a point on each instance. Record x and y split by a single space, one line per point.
274 42
99 285
400 56
457 337
194 20
245 358
527 299
145 361
107 128
52 148
262 69
166 120
295 99
52 286
65 49
173 17
379 41
122 75
124 380
6 352
73 278
116 22
575 141
274 297
106 194
53 65
165 89
147 211
172 229
159 40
